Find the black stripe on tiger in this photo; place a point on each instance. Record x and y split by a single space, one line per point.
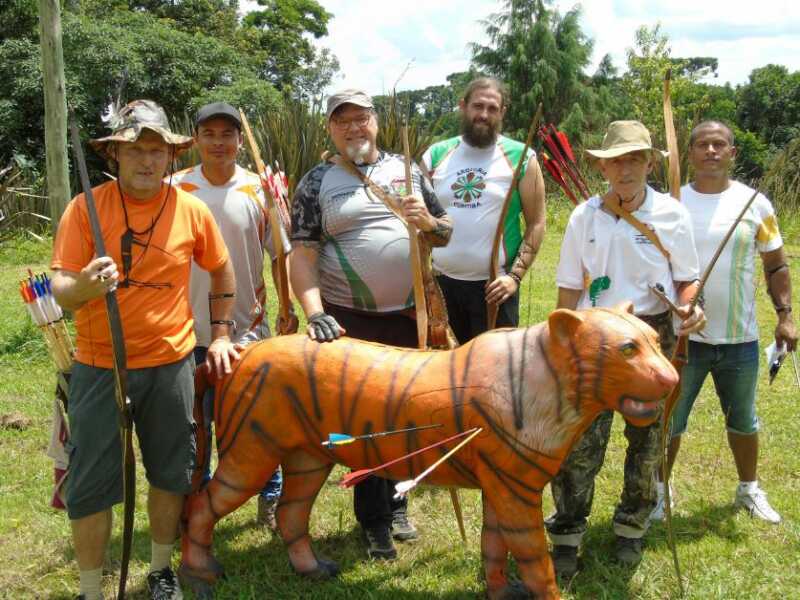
310 361
261 375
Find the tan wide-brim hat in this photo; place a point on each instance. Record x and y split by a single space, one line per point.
128 123
623 137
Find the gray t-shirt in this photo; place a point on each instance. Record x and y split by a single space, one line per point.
363 247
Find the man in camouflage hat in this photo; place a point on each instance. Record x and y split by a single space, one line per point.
152 231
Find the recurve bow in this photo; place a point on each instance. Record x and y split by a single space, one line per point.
279 237
492 309
120 368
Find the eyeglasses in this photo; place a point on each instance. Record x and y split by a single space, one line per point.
359 121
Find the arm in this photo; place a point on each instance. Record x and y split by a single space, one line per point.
692 320
568 298
531 191
74 289
222 352
304 275
779 287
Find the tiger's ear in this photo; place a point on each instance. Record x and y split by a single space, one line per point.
563 323
626 306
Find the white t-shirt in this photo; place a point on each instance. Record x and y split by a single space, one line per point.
472 183
730 289
241 215
611 261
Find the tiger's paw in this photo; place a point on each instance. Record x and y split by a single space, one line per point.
201 582
514 590
325 570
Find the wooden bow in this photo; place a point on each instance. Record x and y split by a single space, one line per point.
673 159
278 232
492 309
120 368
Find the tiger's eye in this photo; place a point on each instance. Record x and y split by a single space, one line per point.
628 350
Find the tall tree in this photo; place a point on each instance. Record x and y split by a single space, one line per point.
769 104
540 55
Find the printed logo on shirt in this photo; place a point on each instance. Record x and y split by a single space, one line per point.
640 238
468 187
398 186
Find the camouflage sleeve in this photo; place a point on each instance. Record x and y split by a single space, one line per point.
306 211
428 195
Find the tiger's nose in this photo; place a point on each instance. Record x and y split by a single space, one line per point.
666 376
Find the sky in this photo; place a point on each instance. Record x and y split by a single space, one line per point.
425 40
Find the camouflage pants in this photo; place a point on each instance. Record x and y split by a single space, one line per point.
573 486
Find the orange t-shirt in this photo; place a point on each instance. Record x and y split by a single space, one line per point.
157 321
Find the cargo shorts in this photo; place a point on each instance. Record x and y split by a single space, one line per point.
162 398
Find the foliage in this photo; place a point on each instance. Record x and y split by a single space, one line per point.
540 55
781 182
769 104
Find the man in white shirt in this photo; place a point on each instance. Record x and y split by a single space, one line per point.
729 348
471 175
615 247
237 202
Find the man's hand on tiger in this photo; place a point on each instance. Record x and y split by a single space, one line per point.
323 327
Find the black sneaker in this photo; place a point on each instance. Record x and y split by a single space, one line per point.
163 585
379 543
565 561
403 530
629 551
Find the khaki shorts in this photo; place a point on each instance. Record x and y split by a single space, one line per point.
162 398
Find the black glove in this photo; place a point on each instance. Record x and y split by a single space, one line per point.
324 326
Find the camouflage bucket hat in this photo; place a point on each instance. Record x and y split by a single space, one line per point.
128 123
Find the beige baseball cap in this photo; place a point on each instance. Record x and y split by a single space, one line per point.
623 137
349 96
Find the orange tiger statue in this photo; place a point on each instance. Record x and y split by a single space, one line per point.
533 391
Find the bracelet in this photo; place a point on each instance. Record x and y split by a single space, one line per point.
515 277
229 322
787 308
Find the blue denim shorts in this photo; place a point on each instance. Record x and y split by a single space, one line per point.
734 370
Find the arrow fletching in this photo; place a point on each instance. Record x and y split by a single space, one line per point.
402 488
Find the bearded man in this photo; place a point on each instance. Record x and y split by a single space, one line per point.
351 271
472 174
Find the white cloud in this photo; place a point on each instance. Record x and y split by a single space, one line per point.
374 42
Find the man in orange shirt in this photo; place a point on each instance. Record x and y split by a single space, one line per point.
152 231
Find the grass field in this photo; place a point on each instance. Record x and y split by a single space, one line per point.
723 554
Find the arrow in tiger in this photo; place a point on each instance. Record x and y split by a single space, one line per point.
355 477
402 488
340 439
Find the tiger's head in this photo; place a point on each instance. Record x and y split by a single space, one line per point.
609 359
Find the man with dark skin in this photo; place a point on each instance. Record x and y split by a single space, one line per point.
236 200
351 271
152 232
729 349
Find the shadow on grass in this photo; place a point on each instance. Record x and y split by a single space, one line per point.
711 521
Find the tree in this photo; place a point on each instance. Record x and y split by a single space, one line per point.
540 56
769 105
279 31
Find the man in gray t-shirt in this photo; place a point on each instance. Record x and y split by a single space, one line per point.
350 267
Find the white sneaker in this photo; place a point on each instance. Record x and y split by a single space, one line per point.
756 504
659 511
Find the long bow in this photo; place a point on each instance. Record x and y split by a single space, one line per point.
492 309
120 368
279 237
674 160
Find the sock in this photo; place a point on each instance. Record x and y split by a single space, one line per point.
747 487
160 555
90 584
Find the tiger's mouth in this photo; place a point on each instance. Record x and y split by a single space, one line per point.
630 406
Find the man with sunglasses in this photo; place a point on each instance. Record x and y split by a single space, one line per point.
152 231
351 269
235 198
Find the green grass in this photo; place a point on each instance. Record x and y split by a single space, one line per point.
723 554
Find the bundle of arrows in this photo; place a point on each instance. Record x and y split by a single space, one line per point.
48 316
559 161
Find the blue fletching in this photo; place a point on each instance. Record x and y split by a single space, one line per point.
338 438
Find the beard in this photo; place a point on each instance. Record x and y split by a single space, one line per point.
482 134
358 152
